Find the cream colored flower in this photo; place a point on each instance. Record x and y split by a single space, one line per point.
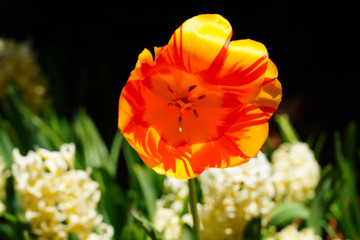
18 65
234 196
168 222
56 198
104 232
292 233
296 172
176 192
167 218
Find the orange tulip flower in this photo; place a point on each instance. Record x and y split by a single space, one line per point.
202 102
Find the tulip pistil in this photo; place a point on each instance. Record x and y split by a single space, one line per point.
184 103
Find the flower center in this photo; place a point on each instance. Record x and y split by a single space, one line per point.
185 103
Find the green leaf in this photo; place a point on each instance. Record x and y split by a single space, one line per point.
7 231
285 212
114 153
345 220
253 230
90 142
131 158
73 236
347 196
10 217
17 114
46 137
187 232
53 130
324 197
350 142
147 188
132 231
113 203
6 146
146 225
269 148
319 144
286 129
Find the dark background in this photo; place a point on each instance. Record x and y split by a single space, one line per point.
87 50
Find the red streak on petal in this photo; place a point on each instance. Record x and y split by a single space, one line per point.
186 168
219 60
178 50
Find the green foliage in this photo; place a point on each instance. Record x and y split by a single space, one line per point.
324 197
336 194
129 207
146 225
147 184
20 128
346 208
23 129
286 212
286 129
253 230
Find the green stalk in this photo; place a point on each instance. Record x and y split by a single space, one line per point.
286 129
193 209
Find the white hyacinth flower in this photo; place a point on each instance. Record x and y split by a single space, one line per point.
291 232
296 172
167 218
234 196
56 198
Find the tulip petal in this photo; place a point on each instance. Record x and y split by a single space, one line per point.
243 70
254 131
269 97
143 65
243 138
198 41
271 71
270 93
242 141
246 56
201 102
152 129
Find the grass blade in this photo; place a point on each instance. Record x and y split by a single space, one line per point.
286 129
348 195
114 153
324 197
147 188
90 141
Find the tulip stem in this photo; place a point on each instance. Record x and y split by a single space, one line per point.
193 209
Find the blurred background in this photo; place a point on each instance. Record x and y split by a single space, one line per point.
87 51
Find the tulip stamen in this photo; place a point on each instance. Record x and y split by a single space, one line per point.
186 102
202 97
196 114
180 123
191 88
169 88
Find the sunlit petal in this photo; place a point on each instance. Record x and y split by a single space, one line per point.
269 97
145 61
198 41
242 71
